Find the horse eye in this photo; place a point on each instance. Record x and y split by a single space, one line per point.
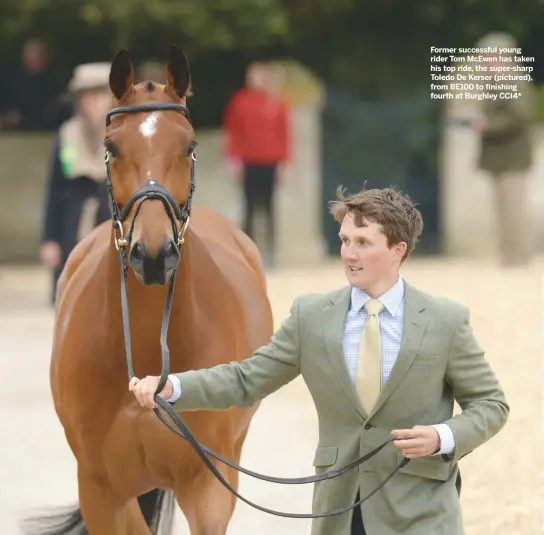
111 147
192 148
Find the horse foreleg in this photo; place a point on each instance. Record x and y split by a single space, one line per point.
206 503
105 513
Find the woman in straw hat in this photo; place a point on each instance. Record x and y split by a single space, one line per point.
76 198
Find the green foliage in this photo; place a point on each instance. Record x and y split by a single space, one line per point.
202 24
380 50
375 50
223 24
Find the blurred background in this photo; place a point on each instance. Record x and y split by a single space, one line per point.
356 78
346 86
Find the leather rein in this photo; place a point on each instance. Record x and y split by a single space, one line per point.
182 214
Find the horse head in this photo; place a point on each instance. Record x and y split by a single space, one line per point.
150 146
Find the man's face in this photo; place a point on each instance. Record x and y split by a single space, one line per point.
368 261
257 76
35 56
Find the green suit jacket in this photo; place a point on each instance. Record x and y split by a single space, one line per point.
439 361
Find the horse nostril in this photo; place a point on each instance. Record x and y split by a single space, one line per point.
171 249
137 252
171 256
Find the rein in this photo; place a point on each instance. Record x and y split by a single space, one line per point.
182 214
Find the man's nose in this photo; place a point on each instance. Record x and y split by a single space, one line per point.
349 253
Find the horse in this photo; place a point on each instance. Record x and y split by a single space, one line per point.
131 469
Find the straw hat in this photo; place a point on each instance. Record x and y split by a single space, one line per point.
90 76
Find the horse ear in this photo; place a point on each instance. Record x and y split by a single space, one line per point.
121 74
178 76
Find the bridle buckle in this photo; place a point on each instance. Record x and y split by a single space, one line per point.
181 235
119 236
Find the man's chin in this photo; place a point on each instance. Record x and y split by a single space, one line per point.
356 278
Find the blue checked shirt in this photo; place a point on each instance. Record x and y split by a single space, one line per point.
391 321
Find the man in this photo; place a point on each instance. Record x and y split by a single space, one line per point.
258 146
380 358
32 96
506 152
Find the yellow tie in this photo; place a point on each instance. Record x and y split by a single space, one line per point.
369 368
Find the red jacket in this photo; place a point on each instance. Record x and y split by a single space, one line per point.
257 128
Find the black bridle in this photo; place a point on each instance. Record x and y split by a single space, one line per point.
181 214
151 190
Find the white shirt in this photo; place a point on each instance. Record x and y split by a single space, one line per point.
391 326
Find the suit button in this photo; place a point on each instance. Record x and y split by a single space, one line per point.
367 426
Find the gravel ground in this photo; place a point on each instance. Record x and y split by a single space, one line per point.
502 480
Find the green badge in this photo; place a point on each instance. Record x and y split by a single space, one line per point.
67 159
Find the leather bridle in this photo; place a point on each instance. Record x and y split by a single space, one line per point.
181 214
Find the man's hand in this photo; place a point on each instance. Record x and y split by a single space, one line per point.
50 254
144 390
420 441
480 124
235 169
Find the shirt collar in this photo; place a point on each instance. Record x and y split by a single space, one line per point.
391 299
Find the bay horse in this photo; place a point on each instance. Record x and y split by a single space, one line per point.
130 467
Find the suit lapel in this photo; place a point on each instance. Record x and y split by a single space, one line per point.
414 323
334 316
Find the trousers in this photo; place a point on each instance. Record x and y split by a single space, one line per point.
259 189
514 225
357 526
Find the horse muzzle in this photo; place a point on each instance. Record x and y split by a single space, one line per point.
154 270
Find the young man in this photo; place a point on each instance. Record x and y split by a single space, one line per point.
380 358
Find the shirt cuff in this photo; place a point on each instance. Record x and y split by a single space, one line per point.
447 440
176 384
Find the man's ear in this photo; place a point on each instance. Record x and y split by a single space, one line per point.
402 247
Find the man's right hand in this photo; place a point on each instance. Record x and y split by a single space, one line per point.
235 169
480 124
50 254
144 390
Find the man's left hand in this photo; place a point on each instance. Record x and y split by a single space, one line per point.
420 441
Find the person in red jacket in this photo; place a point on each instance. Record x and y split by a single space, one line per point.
258 145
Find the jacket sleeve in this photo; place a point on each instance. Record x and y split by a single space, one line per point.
54 190
476 390
241 384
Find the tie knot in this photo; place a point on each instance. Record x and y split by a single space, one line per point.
373 307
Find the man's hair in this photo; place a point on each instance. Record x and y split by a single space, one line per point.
394 211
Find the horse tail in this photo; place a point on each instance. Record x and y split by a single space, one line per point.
157 506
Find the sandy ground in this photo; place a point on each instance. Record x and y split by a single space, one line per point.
502 480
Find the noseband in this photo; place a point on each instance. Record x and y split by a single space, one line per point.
182 214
